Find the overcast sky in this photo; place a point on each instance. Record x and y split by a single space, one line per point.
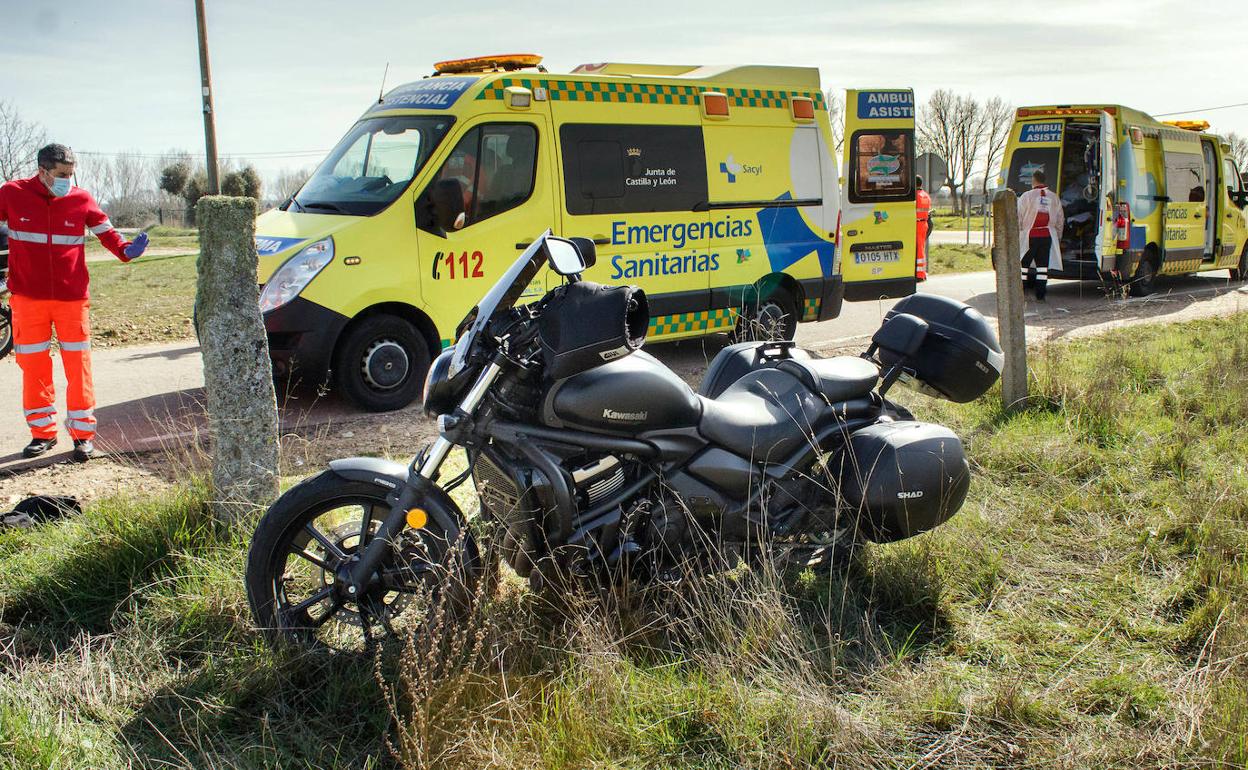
290 77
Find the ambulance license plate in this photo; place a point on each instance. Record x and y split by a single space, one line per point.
876 253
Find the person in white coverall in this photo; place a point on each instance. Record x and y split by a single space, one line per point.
1040 220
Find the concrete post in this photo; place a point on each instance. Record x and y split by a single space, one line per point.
238 376
1010 326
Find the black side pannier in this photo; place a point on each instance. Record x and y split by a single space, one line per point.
587 324
960 357
901 478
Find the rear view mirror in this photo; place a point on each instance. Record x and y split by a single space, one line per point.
589 252
447 199
564 257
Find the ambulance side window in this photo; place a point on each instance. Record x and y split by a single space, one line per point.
496 165
631 169
881 166
1185 177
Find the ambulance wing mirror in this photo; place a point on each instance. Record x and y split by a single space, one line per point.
440 209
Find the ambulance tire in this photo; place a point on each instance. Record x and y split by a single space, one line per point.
767 318
6 330
1238 274
1145 281
381 362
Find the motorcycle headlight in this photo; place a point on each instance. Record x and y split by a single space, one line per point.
295 274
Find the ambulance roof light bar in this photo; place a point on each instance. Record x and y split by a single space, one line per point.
1188 125
506 62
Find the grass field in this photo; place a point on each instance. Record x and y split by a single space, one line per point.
184 240
948 258
148 300
945 219
1086 609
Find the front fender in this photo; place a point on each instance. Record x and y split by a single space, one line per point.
392 475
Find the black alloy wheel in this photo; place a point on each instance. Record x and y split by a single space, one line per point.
767 318
381 363
6 329
301 552
1240 273
1145 281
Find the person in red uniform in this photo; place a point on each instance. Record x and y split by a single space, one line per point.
923 211
47 217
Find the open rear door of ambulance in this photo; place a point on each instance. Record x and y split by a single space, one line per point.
878 225
1107 239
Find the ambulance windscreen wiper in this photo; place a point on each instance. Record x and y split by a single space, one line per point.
334 207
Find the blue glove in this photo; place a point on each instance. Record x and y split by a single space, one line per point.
136 247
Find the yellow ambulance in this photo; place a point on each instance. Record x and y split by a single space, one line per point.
1142 198
713 188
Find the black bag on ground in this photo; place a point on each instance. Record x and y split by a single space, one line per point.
587 324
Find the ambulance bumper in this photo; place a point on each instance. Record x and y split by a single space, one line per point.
831 295
301 339
886 288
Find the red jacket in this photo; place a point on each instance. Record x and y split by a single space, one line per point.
46 235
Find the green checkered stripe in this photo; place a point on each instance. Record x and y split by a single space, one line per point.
810 309
642 93
704 320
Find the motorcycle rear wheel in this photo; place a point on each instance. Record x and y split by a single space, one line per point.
303 544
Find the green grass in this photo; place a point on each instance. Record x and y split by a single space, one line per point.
186 241
1087 608
148 300
945 219
948 258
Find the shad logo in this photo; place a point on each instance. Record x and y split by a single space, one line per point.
910 495
611 414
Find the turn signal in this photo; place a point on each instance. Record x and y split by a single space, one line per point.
417 518
714 105
803 108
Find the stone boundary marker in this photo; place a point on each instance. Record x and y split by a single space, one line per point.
1010 327
238 376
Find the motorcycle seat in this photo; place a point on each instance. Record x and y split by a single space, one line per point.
839 379
765 415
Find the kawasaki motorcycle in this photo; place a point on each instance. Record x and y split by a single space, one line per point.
592 461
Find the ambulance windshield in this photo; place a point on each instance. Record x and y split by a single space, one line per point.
371 166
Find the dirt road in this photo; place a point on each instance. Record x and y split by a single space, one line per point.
151 415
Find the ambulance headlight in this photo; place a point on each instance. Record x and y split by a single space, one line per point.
295 274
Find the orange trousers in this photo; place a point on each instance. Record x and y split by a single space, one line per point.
33 323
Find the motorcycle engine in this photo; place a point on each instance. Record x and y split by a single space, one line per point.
598 481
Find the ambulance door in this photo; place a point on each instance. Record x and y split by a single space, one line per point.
1233 224
1106 242
1184 212
639 190
878 227
503 163
1213 196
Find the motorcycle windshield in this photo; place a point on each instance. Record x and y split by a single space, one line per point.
501 297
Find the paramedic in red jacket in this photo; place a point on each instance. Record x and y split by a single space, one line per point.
47 218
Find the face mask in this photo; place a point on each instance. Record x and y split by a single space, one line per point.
61 186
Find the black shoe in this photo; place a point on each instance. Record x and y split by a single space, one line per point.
38 447
83 450
1039 298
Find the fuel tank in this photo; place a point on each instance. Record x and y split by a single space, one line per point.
627 396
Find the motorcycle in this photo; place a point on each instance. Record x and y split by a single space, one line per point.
592 461
6 314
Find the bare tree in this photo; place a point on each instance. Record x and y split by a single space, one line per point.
1239 150
836 116
286 183
20 140
998 118
939 131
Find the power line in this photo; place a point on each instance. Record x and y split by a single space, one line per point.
1202 109
273 154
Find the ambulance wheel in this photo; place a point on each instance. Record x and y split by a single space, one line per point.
1237 274
381 363
766 318
1145 280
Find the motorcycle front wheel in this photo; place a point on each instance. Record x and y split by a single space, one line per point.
6 329
303 548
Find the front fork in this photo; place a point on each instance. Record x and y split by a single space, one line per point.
419 480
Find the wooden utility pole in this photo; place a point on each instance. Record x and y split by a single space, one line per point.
1010 326
210 131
